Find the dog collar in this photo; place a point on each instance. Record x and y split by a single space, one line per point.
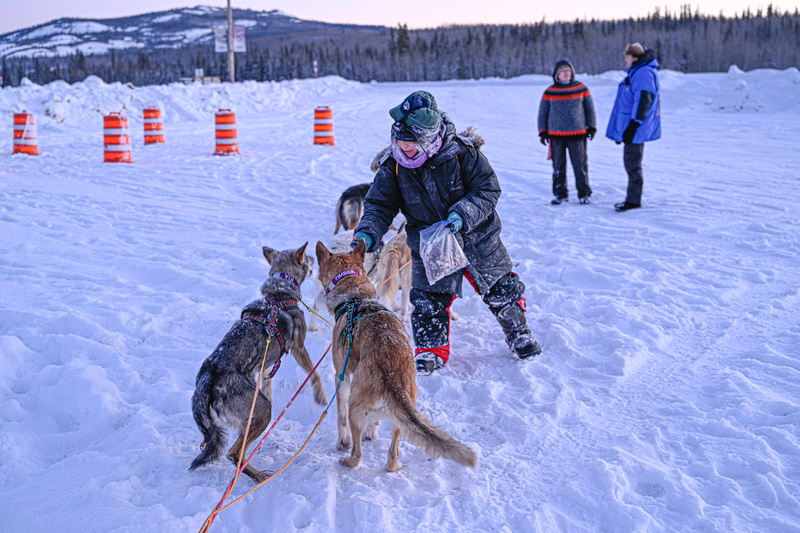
339 277
284 275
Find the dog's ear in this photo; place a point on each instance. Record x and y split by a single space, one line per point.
269 254
300 255
359 251
402 228
322 253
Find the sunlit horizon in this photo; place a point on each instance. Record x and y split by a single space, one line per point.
415 14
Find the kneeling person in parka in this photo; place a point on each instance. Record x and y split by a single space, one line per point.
434 174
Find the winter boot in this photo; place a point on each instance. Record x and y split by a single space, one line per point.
518 337
427 363
558 200
625 206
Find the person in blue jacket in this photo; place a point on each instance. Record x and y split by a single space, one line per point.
636 117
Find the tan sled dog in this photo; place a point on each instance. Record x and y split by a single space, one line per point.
379 378
394 273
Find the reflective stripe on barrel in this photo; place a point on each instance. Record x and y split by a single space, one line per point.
116 140
26 138
323 125
225 132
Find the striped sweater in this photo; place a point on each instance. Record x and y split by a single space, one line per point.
566 110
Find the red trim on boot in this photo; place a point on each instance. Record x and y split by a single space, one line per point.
523 304
442 351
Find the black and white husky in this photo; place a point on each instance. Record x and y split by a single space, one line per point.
350 207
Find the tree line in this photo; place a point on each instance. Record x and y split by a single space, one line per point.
686 41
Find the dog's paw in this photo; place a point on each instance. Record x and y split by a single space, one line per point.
259 476
454 315
394 466
343 444
350 462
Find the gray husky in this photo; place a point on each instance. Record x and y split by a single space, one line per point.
226 382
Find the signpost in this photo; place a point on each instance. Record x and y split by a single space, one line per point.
229 38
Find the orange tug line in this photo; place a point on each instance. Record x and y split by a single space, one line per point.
219 507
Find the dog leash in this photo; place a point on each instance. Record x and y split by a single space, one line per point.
396 272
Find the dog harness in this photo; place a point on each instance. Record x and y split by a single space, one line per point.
339 277
270 323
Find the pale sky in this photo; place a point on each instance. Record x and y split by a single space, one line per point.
19 14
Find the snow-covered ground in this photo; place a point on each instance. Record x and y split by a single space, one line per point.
667 397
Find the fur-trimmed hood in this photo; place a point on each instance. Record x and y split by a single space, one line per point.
468 135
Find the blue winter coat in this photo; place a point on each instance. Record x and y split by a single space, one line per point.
639 99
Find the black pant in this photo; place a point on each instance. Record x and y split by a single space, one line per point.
632 156
580 166
430 319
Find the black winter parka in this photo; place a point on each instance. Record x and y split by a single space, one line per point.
457 178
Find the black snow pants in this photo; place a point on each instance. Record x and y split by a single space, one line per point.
430 319
580 166
632 156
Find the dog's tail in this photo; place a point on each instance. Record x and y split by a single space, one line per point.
213 436
419 430
350 212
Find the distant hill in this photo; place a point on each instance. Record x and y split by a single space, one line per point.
169 46
176 28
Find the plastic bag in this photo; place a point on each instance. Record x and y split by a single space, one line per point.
440 251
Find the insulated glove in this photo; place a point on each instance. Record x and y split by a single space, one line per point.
543 136
361 235
455 222
590 133
630 131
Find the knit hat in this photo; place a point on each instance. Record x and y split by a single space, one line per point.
563 65
636 50
419 111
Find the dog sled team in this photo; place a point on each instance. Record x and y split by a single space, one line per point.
435 177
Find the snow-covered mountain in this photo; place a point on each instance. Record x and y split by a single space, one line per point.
165 29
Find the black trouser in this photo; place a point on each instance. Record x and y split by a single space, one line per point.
632 156
430 319
580 166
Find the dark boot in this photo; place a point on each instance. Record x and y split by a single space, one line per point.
518 336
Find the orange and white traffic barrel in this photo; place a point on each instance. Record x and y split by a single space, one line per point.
116 139
153 125
26 138
226 133
323 125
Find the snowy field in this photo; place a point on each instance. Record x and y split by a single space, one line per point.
667 397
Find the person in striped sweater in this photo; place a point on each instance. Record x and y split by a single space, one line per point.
566 121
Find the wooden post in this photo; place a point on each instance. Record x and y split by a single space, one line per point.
231 57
